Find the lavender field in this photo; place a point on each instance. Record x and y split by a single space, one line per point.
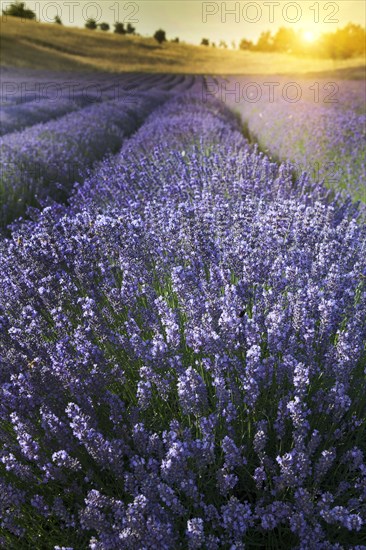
182 318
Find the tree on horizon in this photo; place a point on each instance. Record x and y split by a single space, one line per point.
104 26
91 24
18 9
160 36
119 28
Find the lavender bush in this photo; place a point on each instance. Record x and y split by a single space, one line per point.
183 353
46 159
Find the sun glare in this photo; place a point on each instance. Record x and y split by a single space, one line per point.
309 36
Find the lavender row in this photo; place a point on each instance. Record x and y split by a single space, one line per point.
22 87
19 89
184 353
206 126
318 126
329 144
69 96
16 117
46 159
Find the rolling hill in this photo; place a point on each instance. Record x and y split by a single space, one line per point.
29 44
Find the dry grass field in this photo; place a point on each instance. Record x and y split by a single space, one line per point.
53 47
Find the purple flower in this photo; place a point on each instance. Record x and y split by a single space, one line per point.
192 392
195 533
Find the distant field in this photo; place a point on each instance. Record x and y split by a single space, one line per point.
47 46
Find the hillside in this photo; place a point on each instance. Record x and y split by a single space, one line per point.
53 47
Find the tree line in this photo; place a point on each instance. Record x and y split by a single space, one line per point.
18 9
349 41
119 28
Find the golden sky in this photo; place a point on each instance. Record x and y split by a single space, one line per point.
191 20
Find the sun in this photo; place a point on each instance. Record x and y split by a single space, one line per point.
309 36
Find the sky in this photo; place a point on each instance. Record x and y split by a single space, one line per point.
192 20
